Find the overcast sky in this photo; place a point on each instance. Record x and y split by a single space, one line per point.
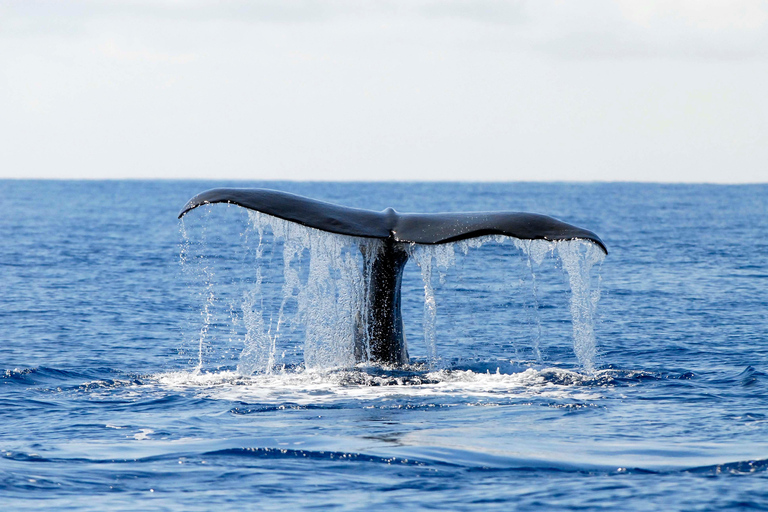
668 90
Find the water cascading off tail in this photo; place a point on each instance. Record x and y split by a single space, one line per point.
576 257
324 275
349 301
331 304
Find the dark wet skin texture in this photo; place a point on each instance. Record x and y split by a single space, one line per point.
421 228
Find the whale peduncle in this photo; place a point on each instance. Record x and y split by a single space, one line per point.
383 338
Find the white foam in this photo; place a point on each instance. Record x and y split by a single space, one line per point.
315 386
143 434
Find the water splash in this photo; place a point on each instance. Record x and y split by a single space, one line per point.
324 303
578 258
313 387
260 343
331 302
207 295
331 305
444 257
535 251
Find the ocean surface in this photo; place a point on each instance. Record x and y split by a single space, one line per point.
148 363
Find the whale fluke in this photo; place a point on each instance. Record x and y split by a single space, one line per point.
384 339
420 228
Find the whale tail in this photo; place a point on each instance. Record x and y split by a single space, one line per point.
420 228
384 338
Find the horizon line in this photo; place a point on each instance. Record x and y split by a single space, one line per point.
288 180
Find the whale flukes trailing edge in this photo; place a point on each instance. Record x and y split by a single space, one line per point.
385 341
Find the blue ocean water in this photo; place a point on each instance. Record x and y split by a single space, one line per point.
121 389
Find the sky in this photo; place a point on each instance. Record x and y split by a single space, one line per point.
477 90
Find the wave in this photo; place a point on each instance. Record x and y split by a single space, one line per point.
39 375
60 380
327 449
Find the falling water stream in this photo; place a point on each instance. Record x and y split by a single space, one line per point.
323 299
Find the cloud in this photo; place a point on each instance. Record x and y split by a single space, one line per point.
650 29
704 15
485 11
298 11
588 29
